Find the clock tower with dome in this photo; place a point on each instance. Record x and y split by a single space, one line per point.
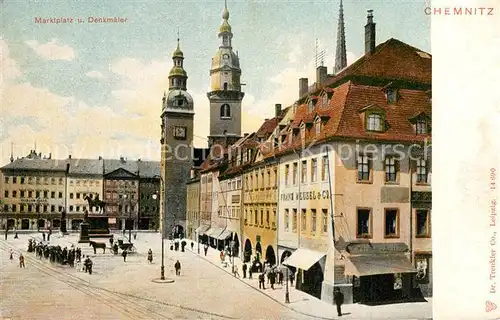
225 94
177 119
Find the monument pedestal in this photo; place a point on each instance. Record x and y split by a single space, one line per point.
63 229
84 233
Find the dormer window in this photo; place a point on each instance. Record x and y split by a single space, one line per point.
324 102
318 126
391 95
421 126
374 122
421 123
179 102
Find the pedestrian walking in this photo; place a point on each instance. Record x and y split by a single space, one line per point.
272 278
124 255
235 271
192 245
43 236
135 235
111 241
204 248
250 273
16 236
244 270
21 261
11 255
262 281
292 277
280 277
177 267
338 297
150 256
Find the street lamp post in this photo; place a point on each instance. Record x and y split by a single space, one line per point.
287 294
162 269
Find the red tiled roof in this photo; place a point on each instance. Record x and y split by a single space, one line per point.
267 127
346 121
392 59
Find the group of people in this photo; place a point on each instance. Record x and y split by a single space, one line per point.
55 253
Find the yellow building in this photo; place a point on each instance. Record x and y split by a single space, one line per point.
193 208
85 179
33 193
260 185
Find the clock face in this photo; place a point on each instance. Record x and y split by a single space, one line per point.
180 132
225 56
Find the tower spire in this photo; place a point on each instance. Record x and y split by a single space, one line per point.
340 55
12 152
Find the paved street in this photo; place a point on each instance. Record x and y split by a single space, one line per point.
121 290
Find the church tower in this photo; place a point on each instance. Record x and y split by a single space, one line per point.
225 95
340 54
177 119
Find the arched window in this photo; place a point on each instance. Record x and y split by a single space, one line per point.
225 111
225 86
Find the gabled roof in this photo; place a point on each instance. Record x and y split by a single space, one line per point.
392 59
111 165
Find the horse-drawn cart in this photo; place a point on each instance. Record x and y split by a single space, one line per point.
126 246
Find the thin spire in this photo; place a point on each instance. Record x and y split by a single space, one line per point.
178 37
12 152
35 146
341 55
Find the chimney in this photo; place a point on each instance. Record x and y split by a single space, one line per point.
100 158
303 87
321 75
69 157
277 109
266 119
50 155
370 34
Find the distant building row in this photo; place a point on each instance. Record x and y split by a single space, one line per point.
35 191
338 185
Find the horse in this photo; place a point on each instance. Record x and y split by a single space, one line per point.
98 245
95 203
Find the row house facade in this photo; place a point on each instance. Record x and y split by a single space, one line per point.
85 181
193 217
339 186
355 180
149 195
33 191
121 193
36 191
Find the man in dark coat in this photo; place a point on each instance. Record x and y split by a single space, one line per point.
262 281
244 270
338 298
177 267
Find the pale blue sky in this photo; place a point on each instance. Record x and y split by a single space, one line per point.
275 41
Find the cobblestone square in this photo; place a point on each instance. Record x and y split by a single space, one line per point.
121 290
